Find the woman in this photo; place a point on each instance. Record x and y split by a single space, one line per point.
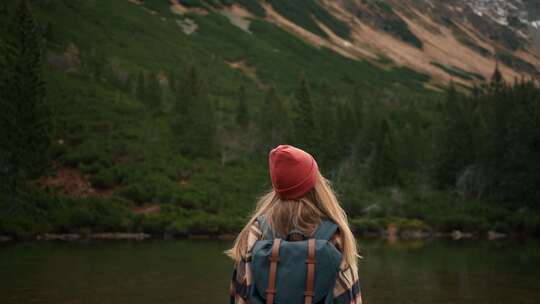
301 199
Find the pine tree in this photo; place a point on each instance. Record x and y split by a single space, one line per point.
3 8
49 33
273 121
326 115
140 87
173 86
347 129
384 164
305 129
195 122
242 115
497 80
24 114
128 84
456 148
97 64
153 94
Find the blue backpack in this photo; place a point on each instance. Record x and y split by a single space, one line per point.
294 272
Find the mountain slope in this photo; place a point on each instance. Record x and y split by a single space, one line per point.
460 40
127 115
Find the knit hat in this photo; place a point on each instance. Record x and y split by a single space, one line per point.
293 172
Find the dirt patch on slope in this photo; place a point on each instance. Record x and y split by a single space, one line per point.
249 72
179 9
72 182
238 17
147 209
335 43
68 61
440 44
446 49
239 11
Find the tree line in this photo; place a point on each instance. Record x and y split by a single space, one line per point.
480 143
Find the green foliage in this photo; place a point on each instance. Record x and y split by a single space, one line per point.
383 166
362 226
515 62
41 212
194 122
24 112
180 222
383 16
326 110
242 115
306 12
455 144
464 37
306 135
273 121
378 134
489 141
455 71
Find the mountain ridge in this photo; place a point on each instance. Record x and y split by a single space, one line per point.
459 40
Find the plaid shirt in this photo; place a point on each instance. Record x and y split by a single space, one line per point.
346 289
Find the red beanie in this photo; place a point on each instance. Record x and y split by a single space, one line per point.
293 172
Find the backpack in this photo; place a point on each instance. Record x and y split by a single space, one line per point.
294 272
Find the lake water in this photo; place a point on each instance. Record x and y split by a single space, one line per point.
197 272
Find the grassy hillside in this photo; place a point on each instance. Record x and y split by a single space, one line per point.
125 159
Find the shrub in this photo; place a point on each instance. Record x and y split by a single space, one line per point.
96 214
404 224
41 211
366 225
153 188
104 179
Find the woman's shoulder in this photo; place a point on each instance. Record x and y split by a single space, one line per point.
254 235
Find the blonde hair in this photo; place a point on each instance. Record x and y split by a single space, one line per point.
304 214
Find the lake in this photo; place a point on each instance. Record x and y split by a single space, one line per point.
197 272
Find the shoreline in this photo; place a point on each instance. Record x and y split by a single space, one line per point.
390 235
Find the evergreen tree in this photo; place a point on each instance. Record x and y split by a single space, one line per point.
4 11
347 128
194 122
24 114
242 115
128 84
173 86
140 87
49 33
497 80
273 121
456 147
305 129
153 94
384 164
327 117
97 64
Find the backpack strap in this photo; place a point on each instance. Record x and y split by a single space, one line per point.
326 230
310 279
274 259
267 233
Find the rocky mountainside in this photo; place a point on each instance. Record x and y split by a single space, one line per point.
458 39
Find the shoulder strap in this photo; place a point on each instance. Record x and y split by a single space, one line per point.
274 260
267 233
310 278
326 230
